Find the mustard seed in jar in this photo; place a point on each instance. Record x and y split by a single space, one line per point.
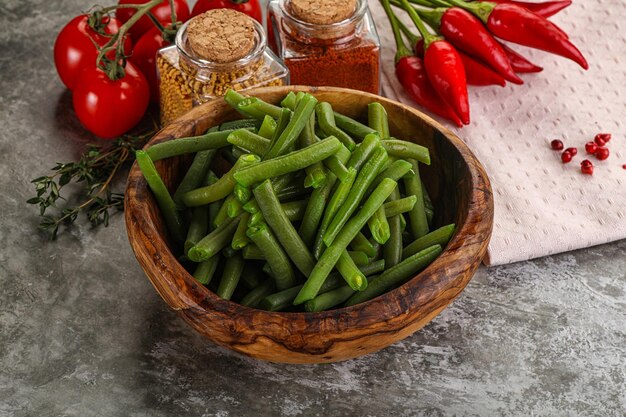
214 52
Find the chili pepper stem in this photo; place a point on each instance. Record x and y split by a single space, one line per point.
412 37
421 27
481 9
401 49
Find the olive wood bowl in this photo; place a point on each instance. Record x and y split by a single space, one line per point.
460 191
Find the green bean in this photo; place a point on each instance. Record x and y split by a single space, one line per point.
268 127
171 215
241 124
251 206
284 275
255 219
406 150
392 250
222 213
377 119
223 187
338 197
258 108
396 275
214 209
362 153
403 205
396 170
417 216
326 120
289 101
429 215
329 299
252 252
362 182
360 243
206 270
282 227
315 174
290 193
214 242
359 258
351 126
440 236
195 175
350 272
181 146
291 162
242 194
234 207
315 210
284 181
294 210
281 300
252 276
240 239
230 277
253 298
229 154
300 118
199 224
379 227
249 141
233 98
336 167
428 203
330 256
281 124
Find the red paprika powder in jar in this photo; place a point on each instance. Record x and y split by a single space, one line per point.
327 42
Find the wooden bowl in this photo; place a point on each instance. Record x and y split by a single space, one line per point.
461 194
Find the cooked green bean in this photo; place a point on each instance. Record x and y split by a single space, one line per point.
173 219
291 162
440 236
258 293
258 108
230 277
242 194
361 244
284 275
403 205
286 234
241 124
330 256
362 152
396 170
406 150
339 195
214 209
351 126
234 207
336 167
377 119
315 174
326 120
200 217
417 216
249 141
294 210
214 242
396 275
223 187
289 101
206 270
222 213
252 252
329 299
429 216
291 193
379 227
299 119
232 153
350 272
362 182
181 146
195 176
240 239
315 210
392 249
252 276
233 98
255 219
284 181
281 124
267 128
251 206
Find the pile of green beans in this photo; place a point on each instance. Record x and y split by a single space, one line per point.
316 211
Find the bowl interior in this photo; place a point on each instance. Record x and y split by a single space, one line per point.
455 181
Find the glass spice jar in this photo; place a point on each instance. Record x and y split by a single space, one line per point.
214 52
327 42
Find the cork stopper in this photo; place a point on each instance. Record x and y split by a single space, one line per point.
221 35
322 12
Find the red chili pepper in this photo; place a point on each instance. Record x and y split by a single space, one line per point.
518 24
475 71
545 9
467 33
519 63
412 75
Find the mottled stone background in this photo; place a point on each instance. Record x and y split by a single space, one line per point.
82 332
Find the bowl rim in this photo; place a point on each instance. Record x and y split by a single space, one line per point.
196 296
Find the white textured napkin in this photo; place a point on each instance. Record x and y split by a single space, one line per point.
542 206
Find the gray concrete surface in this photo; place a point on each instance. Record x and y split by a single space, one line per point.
82 332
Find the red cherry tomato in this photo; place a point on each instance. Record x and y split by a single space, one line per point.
74 50
144 58
251 7
110 108
162 12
